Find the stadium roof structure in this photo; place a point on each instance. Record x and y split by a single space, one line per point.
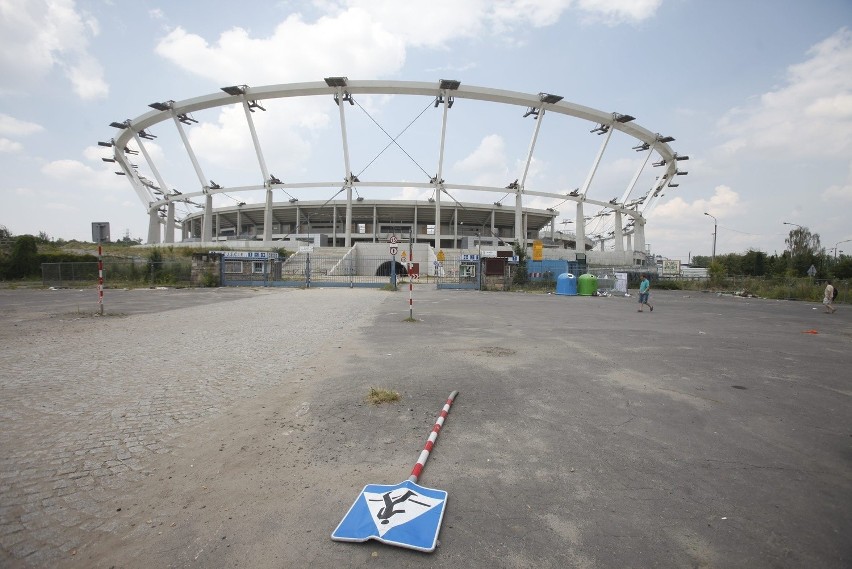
133 135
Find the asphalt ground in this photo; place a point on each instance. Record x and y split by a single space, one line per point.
713 432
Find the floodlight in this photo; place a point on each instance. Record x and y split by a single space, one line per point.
106 144
641 147
622 118
214 186
450 84
146 135
665 138
116 124
336 81
273 179
252 105
186 119
676 157
548 98
162 106
108 159
679 173
235 89
293 200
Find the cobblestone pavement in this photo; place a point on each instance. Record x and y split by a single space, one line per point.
86 402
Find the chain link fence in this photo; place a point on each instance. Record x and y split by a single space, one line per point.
312 269
117 273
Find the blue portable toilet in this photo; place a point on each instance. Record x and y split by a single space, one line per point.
566 284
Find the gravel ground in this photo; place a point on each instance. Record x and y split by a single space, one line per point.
88 403
228 428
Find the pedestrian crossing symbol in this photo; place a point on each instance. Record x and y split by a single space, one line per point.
407 515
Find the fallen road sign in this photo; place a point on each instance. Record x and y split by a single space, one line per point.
406 514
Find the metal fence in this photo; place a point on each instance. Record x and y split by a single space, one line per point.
117 272
311 269
458 274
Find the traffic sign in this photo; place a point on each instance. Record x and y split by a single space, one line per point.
393 250
407 515
393 239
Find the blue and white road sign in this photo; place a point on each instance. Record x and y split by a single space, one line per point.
407 515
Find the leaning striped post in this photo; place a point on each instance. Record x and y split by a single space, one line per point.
410 298
433 436
410 278
100 280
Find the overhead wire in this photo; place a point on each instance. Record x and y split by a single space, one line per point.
393 140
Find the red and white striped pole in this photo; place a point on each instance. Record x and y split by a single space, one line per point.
100 280
410 278
433 436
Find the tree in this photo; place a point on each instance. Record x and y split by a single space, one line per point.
24 259
805 250
754 263
843 267
716 270
700 261
521 275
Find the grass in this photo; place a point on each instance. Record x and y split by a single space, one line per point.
379 395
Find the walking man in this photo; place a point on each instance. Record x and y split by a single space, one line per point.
644 287
828 298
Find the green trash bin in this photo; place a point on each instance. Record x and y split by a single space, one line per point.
587 285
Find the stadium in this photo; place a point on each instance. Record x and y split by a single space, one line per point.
451 213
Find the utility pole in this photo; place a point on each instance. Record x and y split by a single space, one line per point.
715 228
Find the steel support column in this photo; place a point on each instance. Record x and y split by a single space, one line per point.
580 231
438 181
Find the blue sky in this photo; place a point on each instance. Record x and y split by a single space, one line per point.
757 93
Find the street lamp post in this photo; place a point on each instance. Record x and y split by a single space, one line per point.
838 243
715 228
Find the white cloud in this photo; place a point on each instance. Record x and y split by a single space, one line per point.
7 145
11 126
409 193
369 38
82 176
38 37
487 165
619 11
350 42
285 136
811 114
839 192
723 202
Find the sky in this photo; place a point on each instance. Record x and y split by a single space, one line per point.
758 93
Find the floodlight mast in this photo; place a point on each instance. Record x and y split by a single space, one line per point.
339 84
445 85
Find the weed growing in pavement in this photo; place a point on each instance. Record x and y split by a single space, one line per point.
379 395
